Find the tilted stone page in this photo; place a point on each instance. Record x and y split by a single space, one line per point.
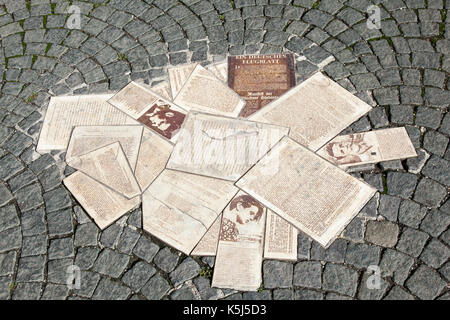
64 113
203 91
260 79
85 139
280 239
239 256
316 111
149 109
220 70
222 147
368 147
180 74
309 192
109 165
101 203
208 244
154 152
178 77
179 208
163 89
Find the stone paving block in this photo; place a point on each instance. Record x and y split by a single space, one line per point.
411 213
308 274
27 291
306 294
277 274
401 184
263 295
111 263
61 248
382 233
186 270
334 253
397 293
203 286
60 222
430 193
370 291
339 278
110 290
55 292
425 283
7 262
31 269
435 222
396 265
435 254
412 242
86 235
86 256
166 260
34 245
10 239
362 255
138 275
155 288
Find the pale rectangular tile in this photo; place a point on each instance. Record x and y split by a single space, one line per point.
208 244
109 165
178 76
309 192
203 91
316 111
179 208
222 147
154 152
150 109
239 256
101 203
64 113
368 147
85 139
281 238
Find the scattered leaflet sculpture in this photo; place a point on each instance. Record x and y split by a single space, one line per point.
231 174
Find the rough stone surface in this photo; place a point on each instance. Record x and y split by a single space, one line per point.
382 233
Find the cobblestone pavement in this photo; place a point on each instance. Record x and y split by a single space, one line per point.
401 70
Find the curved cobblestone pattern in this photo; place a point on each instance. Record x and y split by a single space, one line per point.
401 70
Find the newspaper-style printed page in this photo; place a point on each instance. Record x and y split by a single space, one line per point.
219 98
163 89
316 111
101 203
281 238
85 139
220 70
368 147
309 192
154 153
109 165
260 79
222 147
133 99
151 110
179 207
178 76
239 256
208 244
64 113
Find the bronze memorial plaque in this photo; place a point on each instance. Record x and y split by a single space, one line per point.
260 79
